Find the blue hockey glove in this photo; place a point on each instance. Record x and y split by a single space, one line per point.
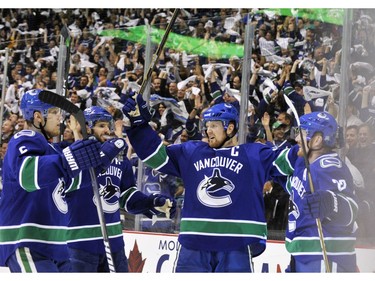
161 204
135 108
109 150
320 204
80 155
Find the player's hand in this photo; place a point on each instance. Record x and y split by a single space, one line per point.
81 155
320 204
109 150
162 204
135 108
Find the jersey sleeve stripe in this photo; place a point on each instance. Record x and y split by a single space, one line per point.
125 197
283 164
28 176
76 183
157 159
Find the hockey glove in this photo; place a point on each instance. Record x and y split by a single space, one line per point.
320 204
80 155
161 204
135 108
109 150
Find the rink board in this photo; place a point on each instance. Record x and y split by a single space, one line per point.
156 252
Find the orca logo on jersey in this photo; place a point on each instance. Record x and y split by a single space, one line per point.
109 195
58 196
213 191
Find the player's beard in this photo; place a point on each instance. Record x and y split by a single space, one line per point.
300 151
213 143
53 131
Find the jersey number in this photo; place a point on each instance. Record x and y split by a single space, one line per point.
341 184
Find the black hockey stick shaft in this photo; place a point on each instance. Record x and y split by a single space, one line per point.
307 165
155 57
158 51
66 105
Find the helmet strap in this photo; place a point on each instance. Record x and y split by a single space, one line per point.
41 128
229 137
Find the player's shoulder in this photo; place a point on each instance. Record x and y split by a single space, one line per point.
25 141
255 148
188 146
195 143
25 133
28 135
328 161
28 138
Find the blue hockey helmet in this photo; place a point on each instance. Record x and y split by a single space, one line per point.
224 112
323 122
30 103
96 113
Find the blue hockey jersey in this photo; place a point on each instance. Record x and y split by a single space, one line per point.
32 207
117 189
328 172
223 204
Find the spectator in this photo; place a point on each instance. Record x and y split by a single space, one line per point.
75 99
20 125
7 130
267 46
276 202
158 87
362 156
172 90
351 139
68 137
276 137
352 115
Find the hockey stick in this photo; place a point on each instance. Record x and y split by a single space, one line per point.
307 165
64 104
155 57
158 51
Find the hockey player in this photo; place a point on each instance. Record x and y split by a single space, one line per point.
118 189
223 222
32 207
333 200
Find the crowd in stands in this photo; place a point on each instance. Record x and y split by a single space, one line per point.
296 56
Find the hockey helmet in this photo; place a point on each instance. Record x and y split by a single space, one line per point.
96 113
319 121
30 103
224 112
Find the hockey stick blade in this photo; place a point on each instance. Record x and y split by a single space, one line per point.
292 107
58 101
64 104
